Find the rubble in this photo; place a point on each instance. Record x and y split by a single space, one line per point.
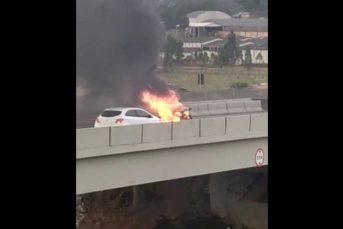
79 210
190 221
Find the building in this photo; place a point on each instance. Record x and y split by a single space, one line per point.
196 44
216 23
207 33
258 46
211 46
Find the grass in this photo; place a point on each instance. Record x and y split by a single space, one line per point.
215 78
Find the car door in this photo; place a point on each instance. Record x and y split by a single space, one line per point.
132 117
144 116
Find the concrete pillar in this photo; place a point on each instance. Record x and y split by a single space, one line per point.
138 195
252 214
218 192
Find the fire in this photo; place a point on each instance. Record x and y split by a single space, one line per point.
168 107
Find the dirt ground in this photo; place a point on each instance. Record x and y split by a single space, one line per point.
104 210
170 199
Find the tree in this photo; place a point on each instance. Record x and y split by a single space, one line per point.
248 59
173 52
167 61
205 59
247 4
216 61
200 56
223 56
178 47
231 48
230 53
212 58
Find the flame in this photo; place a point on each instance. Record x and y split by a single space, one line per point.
168 107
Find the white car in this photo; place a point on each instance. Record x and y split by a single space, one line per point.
124 116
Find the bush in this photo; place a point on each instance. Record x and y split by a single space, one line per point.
239 85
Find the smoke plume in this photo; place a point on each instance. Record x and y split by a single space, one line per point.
118 42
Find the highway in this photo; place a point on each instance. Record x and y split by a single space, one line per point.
87 121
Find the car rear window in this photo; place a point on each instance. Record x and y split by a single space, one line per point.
109 114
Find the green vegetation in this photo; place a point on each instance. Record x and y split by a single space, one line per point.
239 85
247 4
173 53
231 52
248 59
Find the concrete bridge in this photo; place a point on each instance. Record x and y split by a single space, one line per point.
109 158
115 157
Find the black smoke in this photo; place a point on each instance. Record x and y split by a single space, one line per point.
117 48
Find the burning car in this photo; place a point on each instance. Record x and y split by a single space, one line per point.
184 113
168 107
181 113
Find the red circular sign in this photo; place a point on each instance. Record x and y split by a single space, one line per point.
259 157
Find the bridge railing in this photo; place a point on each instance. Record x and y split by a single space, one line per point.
164 135
213 108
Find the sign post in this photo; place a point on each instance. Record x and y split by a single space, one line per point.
259 157
200 79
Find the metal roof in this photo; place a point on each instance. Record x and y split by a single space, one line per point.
212 13
199 24
215 44
190 49
260 43
195 14
195 39
245 22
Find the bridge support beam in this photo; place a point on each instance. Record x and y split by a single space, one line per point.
138 195
218 190
251 214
